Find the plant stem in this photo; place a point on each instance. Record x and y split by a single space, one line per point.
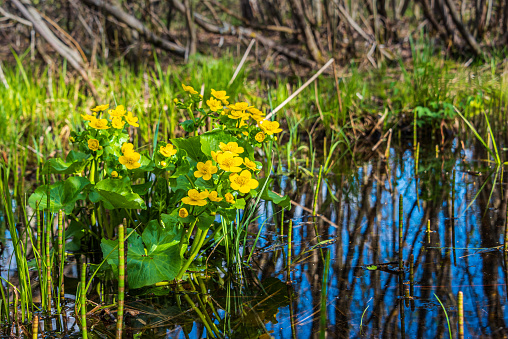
193 255
121 278
83 299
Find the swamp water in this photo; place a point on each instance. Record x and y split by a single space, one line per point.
346 282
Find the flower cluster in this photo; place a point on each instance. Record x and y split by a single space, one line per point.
118 117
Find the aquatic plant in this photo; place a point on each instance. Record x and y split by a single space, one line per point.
188 193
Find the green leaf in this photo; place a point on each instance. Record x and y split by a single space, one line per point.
119 193
141 189
159 262
210 141
192 146
152 257
76 162
269 195
62 195
371 267
204 221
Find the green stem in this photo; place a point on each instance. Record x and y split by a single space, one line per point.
83 300
198 312
121 278
191 182
193 255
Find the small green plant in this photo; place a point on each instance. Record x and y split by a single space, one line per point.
188 193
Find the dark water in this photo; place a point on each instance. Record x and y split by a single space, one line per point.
332 292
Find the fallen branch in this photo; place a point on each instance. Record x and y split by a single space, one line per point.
73 56
137 25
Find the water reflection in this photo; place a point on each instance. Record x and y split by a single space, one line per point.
344 279
463 253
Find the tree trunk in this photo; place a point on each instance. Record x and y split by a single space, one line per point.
191 29
463 29
304 26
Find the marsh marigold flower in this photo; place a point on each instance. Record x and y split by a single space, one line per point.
167 151
215 154
182 212
93 144
130 160
194 197
256 114
88 117
213 196
243 182
240 106
250 164
100 108
260 137
229 162
220 95
132 120
231 147
114 174
205 170
189 89
119 111
238 115
229 198
127 147
163 164
214 105
99 123
270 127
117 122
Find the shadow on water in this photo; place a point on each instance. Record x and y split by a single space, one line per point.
345 280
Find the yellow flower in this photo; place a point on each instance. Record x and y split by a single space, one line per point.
114 174
182 212
93 144
72 139
195 198
127 147
260 137
230 198
238 115
130 160
256 114
176 101
100 108
189 89
117 122
213 196
250 164
214 105
167 151
163 164
215 154
270 127
220 95
243 182
228 162
99 123
240 106
88 117
119 111
205 170
132 120
231 147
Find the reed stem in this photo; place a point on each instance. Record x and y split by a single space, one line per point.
401 226
83 299
290 241
461 315
35 327
121 278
